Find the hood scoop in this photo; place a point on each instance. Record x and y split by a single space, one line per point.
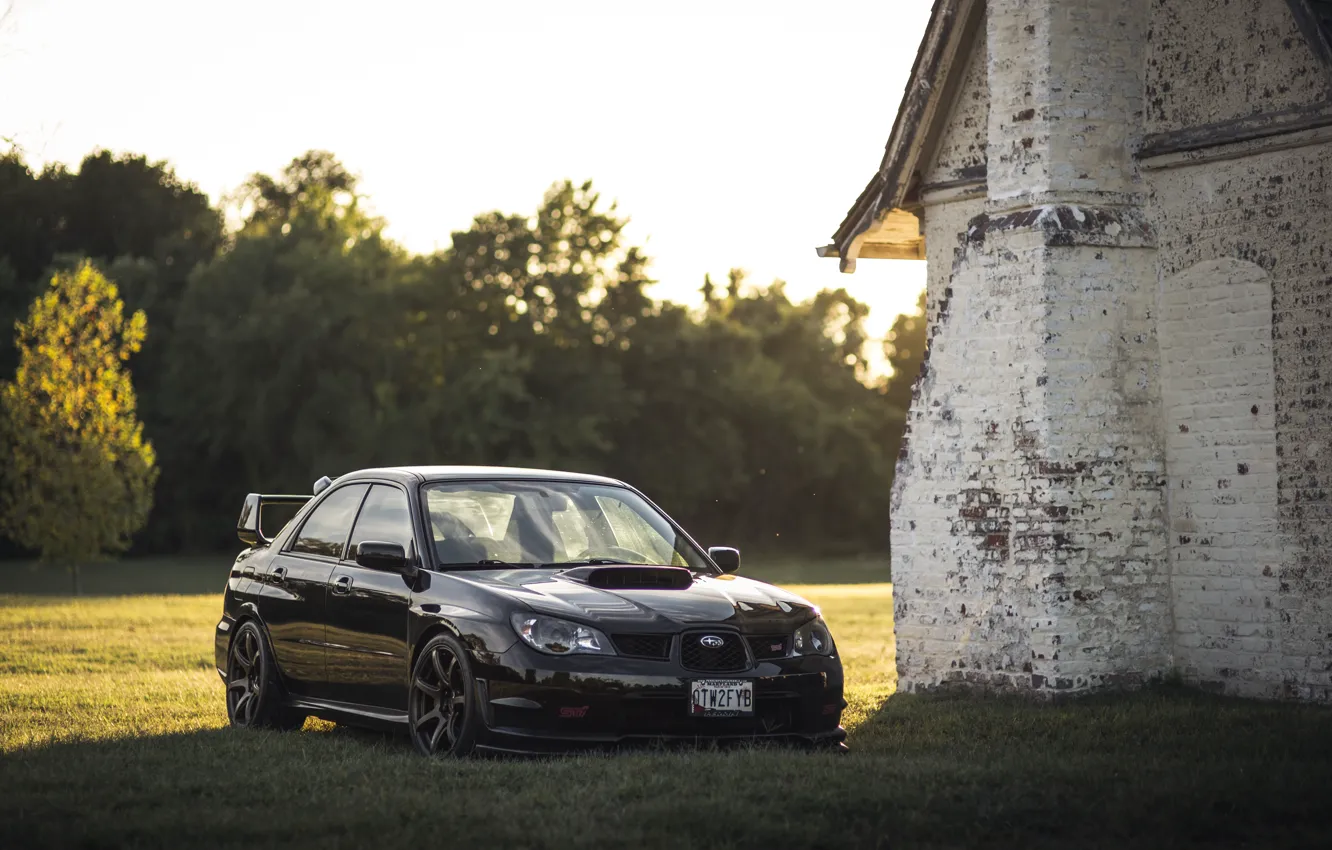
631 577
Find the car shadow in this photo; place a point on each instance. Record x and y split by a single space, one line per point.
1159 768
334 786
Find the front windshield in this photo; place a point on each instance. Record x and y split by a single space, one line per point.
540 523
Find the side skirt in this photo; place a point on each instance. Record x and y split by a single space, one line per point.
351 714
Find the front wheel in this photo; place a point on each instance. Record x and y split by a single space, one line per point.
254 697
441 709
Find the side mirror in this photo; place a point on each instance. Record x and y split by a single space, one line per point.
389 557
725 557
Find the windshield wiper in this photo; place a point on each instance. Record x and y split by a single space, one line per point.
590 562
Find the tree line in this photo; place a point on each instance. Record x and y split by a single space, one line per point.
302 342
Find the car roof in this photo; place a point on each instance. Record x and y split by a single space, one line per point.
474 473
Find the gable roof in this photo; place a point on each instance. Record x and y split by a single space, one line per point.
882 222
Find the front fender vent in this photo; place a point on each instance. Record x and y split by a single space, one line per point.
643 646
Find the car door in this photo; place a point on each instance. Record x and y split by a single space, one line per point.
292 601
367 609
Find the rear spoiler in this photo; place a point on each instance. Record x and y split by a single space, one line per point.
249 528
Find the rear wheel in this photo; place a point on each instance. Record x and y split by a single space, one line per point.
254 696
441 708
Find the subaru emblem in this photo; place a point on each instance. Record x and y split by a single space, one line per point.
711 641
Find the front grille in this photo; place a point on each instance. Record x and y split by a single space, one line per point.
643 646
765 647
729 657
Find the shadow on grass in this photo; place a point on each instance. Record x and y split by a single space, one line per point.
188 574
1167 766
1161 768
353 788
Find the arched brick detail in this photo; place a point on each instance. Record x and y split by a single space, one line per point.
1219 389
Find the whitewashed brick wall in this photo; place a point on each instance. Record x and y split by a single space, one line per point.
1028 528
1216 348
1065 97
1119 460
961 149
1213 60
1254 585
958 481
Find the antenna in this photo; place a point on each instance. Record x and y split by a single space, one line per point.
322 484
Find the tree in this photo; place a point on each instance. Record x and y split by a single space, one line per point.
520 327
753 424
125 206
137 221
905 349
296 326
305 343
329 348
81 476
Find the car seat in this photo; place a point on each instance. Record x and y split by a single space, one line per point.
454 541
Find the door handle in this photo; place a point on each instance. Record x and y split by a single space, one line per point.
279 575
248 571
342 585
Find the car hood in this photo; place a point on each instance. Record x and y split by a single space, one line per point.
751 606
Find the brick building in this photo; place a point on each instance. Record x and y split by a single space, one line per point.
1119 455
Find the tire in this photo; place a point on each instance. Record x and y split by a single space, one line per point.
254 695
442 713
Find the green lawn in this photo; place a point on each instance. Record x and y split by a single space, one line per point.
111 734
816 569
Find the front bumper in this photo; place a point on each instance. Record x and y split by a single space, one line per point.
535 703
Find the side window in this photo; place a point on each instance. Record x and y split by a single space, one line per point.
384 518
326 529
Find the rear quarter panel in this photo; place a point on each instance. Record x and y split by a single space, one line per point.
239 600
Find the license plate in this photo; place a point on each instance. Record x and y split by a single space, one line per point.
721 698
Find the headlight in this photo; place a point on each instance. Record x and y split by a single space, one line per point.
560 637
813 638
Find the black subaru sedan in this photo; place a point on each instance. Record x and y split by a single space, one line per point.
512 610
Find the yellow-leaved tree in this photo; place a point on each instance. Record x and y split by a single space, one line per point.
79 477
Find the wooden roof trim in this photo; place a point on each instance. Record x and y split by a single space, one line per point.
935 76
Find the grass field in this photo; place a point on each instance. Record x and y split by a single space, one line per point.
111 735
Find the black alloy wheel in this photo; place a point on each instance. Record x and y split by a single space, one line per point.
442 706
253 695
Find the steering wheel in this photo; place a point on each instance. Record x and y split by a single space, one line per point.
617 552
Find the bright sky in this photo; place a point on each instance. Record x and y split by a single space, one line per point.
733 133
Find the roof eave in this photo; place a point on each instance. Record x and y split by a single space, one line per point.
951 24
